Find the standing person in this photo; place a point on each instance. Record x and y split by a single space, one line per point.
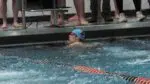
79 5
116 10
80 16
149 2
139 14
3 10
106 10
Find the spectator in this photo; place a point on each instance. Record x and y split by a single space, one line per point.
3 9
116 10
149 2
137 4
106 10
80 16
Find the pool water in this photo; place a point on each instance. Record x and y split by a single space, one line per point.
49 65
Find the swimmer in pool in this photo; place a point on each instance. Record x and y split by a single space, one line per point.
76 39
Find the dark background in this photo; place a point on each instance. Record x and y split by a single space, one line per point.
46 4
40 4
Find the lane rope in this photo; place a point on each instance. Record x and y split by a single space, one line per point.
134 79
90 70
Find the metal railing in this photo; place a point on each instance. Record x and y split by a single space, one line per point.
54 11
99 16
23 14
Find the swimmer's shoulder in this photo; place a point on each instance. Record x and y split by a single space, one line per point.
76 44
85 45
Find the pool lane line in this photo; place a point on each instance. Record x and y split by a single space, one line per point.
85 69
134 79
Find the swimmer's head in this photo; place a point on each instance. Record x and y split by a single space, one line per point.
76 35
79 33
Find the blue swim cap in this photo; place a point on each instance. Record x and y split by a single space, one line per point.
79 33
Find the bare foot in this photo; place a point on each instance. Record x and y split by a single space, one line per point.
73 23
116 16
84 22
17 25
4 26
78 23
73 18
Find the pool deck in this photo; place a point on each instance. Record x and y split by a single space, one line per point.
38 33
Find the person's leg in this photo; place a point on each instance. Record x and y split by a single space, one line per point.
94 6
137 4
107 10
79 5
149 2
116 10
119 4
73 18
3 6
122 17
61 3
139 14
15 14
